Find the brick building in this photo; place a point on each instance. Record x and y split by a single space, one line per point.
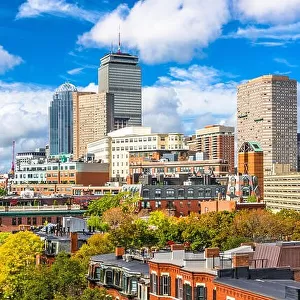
214 276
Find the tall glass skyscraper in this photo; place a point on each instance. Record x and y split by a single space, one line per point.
61 120
120 74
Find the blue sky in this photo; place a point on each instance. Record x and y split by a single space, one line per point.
193 54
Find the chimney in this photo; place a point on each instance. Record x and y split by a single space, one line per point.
177 251
212 257
212 252
120 251
240 260
74 242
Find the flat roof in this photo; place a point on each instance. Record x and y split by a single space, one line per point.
263 287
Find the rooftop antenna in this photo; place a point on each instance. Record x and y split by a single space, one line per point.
119 46
111 48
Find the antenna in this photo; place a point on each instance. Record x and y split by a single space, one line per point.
111 47
119 46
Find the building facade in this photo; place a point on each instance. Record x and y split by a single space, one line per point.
116 147
267 114
56 172
92 119
61 120
217 142
120 74
282 191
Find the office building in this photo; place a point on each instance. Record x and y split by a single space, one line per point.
116 147
61 120
92 119
267 114
120 74
217 142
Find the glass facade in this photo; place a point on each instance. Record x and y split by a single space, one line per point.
61 120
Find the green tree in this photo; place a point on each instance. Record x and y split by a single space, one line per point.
36 284
68 276
95 294
3 192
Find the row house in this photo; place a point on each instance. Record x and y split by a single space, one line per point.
124 275
212 275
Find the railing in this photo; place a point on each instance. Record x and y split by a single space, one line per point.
40 208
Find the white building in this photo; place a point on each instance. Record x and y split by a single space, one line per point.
116 147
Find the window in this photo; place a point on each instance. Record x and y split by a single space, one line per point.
97 273
201 193
145 193
28 221
190 193
180 193
34 221
170 193
165 285
13 221
157 193
109 277
200 292
133 286
187 292
117 278
19 221
153 283
207 192
179 288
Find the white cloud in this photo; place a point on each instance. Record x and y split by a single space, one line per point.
35 8
268 11
284 62
23 117
75 71
161 30
91 87
8 61
188 99
271 34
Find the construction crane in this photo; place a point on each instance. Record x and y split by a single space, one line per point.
12 170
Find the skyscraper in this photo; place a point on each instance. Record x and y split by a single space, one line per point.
92 119
61 120
267 114
120 74
217 142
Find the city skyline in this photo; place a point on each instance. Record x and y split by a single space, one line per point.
45 43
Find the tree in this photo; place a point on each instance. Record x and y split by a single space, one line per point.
97 244
17 255
68 276
3 192
37 284
126 200
3 237
95 294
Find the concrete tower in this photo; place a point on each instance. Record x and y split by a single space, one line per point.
267 114
120 74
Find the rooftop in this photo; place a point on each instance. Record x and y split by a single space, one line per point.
133 266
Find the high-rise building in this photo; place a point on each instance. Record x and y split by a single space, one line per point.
267 114
92 119
217 142
120 74
61 120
